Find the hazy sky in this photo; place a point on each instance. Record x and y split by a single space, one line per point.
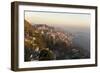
64 19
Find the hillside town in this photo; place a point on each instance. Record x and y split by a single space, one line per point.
43 42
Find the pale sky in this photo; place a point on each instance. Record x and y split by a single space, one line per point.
64 19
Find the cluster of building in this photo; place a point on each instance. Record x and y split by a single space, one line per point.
54 34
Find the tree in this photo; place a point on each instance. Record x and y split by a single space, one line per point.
46 54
